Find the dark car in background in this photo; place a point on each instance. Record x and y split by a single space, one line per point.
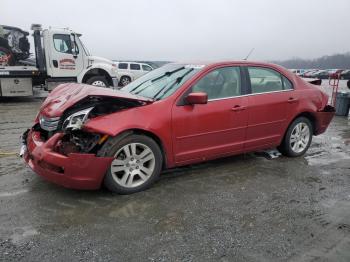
345 75
321 74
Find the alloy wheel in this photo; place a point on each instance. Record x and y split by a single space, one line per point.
125 81
299 138
133 165
98 83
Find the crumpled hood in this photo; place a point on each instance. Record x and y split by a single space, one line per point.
66 95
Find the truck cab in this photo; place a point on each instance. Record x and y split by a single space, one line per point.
67 57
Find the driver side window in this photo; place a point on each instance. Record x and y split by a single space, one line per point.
220 83
62 43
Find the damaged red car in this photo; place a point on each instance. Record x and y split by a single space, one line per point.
176 115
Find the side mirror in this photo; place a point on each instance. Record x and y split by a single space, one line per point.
197 98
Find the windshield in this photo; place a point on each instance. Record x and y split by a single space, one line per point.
162 82
84 47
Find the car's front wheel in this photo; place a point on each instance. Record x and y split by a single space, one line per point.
136 166
100 81
297 138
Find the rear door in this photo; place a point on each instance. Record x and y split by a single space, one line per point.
271 103
217 128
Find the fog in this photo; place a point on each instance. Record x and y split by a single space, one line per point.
194 29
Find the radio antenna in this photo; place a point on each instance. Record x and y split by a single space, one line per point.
251 51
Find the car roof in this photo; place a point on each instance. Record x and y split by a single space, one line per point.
210 64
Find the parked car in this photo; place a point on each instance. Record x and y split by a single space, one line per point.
310 72
336 73
176 115
298 71
129 71
321 74
345 74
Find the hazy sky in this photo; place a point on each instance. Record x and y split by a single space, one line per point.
194 29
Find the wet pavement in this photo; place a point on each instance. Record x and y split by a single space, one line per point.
242 208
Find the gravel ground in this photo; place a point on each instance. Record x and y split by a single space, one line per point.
242 208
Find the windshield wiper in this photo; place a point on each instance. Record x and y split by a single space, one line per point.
177 81
138 86
169 73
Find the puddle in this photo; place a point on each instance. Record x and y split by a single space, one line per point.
13 193
23 232
327 158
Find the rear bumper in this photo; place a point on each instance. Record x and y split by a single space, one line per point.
324 118
78 171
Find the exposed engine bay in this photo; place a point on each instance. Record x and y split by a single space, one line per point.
71 123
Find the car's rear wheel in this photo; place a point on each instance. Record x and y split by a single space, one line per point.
125 80
298 138
136 166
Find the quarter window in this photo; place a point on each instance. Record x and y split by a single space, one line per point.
135 67
146 68
264 80
287 84
220 83
62 43
123 66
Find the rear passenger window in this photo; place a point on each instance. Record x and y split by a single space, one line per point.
123 66
264 80
135 67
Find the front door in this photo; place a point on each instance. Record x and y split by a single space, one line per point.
65 58
214 129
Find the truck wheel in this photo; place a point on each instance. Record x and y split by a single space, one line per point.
98 81
136 166
297 138
6 57
125 80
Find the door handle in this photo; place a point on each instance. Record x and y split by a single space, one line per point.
292 100
55 63
237 108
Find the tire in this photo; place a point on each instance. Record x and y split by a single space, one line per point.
7 56
136 172
300 131
125 80
98 81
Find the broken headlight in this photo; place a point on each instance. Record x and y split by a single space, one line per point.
75 121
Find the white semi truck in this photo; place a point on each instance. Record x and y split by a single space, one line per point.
60 57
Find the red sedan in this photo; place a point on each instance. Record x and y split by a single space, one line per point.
176 115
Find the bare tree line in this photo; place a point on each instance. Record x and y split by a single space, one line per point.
341 61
